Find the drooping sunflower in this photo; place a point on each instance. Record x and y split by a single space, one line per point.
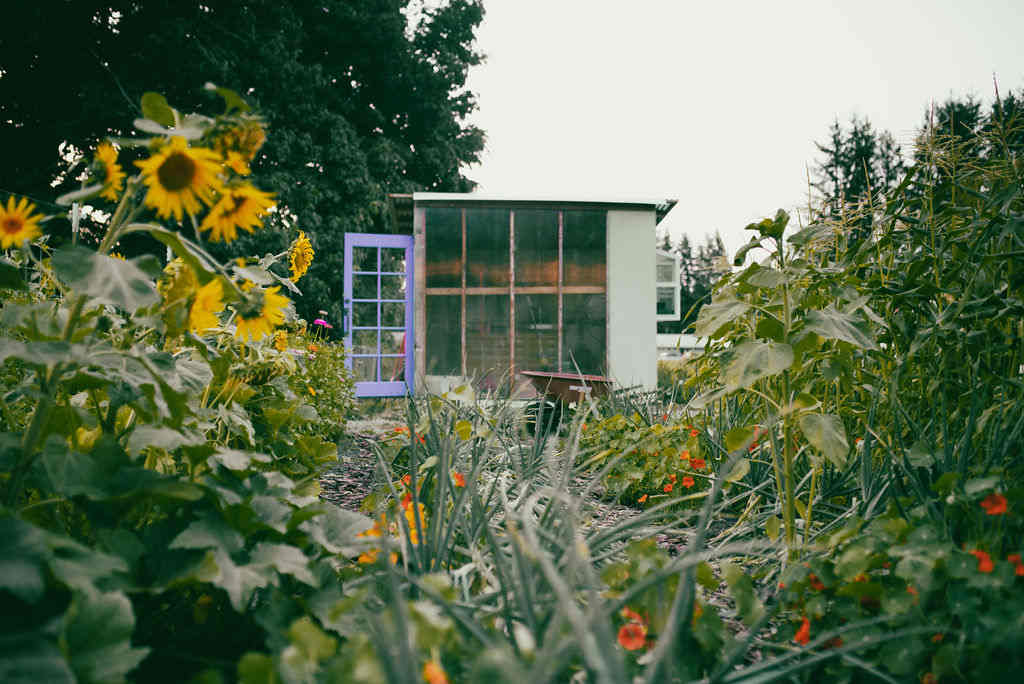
240 206
300 256
178 282
261 317
109 171
18 223
281 341
209 301
179 177
237 163
245 136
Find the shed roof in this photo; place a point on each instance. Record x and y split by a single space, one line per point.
403 203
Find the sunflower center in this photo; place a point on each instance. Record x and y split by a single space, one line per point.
177 172
11 226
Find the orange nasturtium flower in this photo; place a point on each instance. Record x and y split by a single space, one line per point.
694 432
994 504
803 635
685 455
642 499
697 463
459 479
17 224
688 481
667 488
984 561
410 518
433 673
1017 562
632 636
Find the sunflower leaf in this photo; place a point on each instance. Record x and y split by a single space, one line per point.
155 108
84 193
120 283
10 276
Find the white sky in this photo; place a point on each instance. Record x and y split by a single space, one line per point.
716 104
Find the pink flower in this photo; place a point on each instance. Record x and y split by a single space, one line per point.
320 321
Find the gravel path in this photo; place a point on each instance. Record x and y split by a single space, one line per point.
355 475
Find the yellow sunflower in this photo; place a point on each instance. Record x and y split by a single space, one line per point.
209 301
300 256
179 177
263 317
237 163
17 223
281 341
241 206
245 137
178 282
110 171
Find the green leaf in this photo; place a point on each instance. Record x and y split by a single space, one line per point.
232 100
767 278
257 668
739 437
97 631
335 529
769 328
234 459
826 433
198 260
463 430
739 471
286 559
706 576
771 227
77 195
714 317
980 484
71 473
312 640
32 658
741 588
112 281
155 107
209 532
741 253
804 401
239 581
162 438
836 325
23 558
816 233
772 527
919 456
10 275
752 361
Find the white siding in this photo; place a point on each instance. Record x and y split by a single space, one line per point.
632 326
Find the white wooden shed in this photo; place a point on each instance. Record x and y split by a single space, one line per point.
503 284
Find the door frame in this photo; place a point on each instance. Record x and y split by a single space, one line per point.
381 388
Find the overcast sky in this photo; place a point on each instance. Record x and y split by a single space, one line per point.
716 104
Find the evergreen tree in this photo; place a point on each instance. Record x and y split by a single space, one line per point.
360 100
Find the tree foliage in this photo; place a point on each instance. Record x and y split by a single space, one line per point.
362 99
698 272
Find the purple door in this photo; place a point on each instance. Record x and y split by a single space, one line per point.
378 304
